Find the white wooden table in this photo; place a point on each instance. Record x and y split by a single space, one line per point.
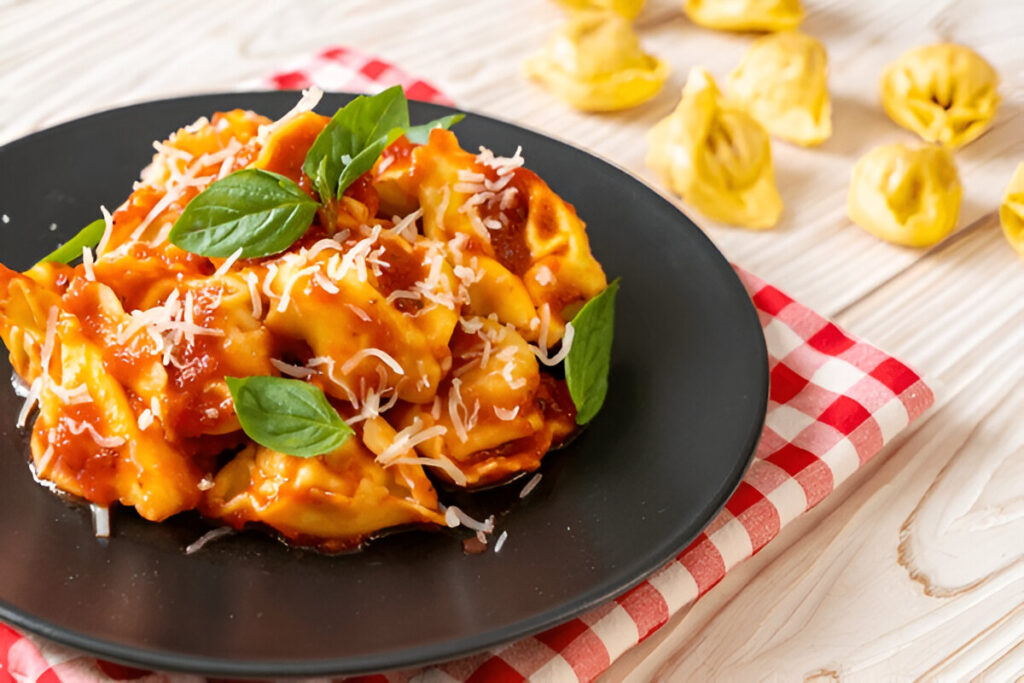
834 596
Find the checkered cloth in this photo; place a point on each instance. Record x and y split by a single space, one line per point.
835 402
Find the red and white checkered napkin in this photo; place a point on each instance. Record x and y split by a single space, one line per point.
835 402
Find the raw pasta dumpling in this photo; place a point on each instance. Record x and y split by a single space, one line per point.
1011 211
782 82
595 63
907 195
745 15
627 8
945 93
716 157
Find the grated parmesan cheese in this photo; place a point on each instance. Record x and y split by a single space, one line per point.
530 485
108 229
310 98
409 438
286 295
358 356
290 370
226 266
77 428
87 263
505 414
45 460
100 520
252 280
360 313
208 537
454 516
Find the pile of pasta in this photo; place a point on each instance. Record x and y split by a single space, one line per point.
428 309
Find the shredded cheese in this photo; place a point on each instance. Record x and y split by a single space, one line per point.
291 370
45 460
360 313
208 537
530 485
230 261
101 441
358 356
310 98
100 520
252 280
108 229
286 295
408 439
505 414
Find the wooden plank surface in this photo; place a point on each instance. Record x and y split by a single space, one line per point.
912 568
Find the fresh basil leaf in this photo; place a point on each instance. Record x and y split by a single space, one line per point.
589 358
257 211
89 236
421 134
351 141
287 415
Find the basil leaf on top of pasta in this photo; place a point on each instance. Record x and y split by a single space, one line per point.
354 138
287 415
420 134
254 210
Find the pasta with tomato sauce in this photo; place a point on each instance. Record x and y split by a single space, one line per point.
426 303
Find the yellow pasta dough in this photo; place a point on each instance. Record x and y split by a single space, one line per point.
627 8
745 15
945 93
716 157
904 194
1011 211
595 63
782 82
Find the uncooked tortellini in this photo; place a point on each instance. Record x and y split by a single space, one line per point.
945 93
1011 212
627 8
905 194
716 157
595 63
782 83
745 15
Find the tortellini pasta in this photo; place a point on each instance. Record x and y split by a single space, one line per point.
782 82
595 63
716 157
627 8
423 308
945 93
745 15
1011 211
908 195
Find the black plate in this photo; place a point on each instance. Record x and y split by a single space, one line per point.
686 406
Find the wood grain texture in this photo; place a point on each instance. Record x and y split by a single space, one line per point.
912 569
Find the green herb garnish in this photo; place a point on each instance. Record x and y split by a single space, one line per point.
354 138
589 358
89 236
287 415
420 134
257 211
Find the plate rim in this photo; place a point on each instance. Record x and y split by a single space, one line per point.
433 653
